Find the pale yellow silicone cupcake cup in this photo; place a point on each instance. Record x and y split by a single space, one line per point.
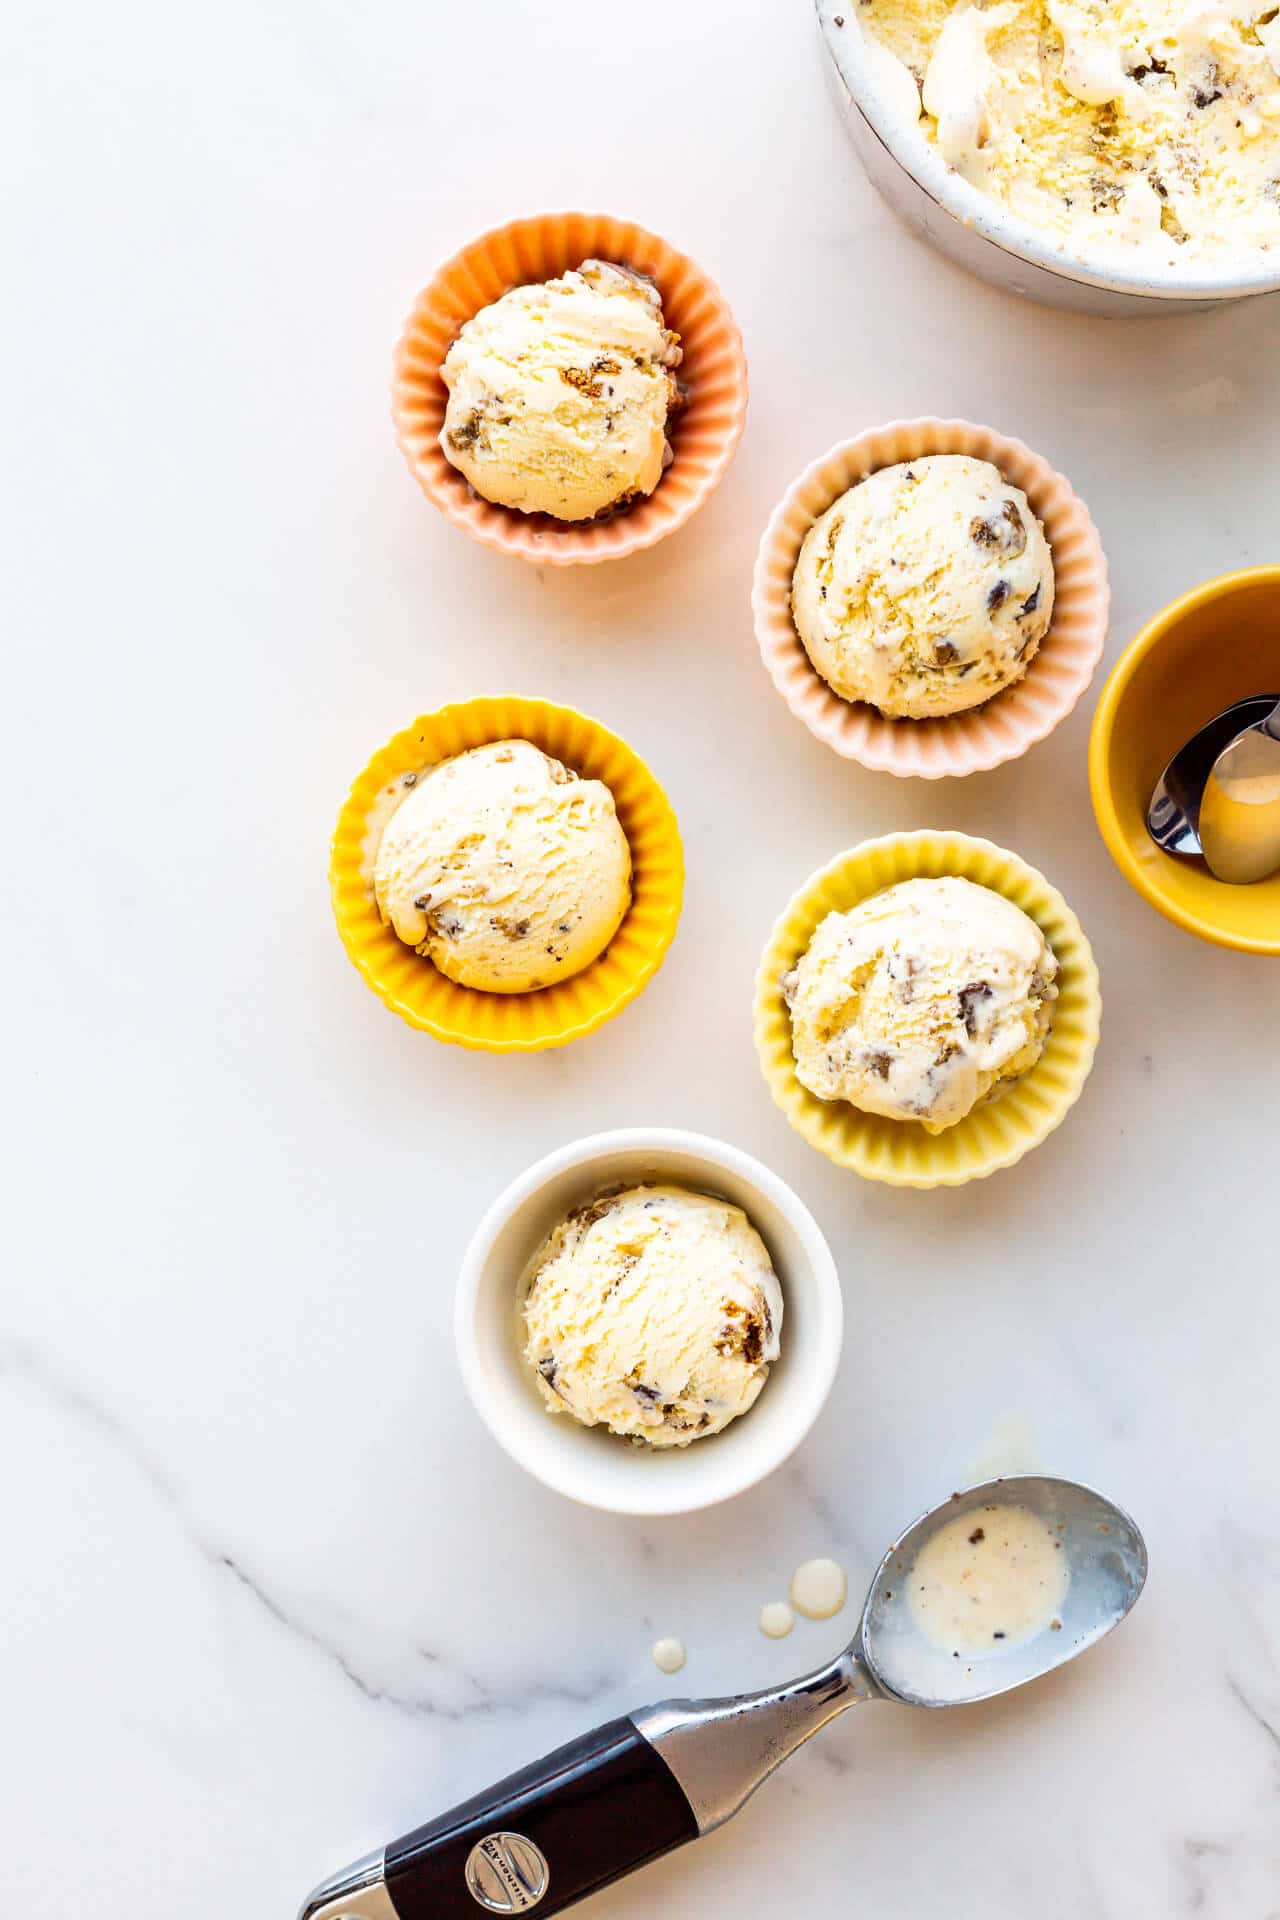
713 374
1001 1130
1013 720
551 1016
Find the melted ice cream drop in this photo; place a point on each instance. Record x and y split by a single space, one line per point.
819 1588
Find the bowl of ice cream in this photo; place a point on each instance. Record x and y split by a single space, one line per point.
1117 160
927 1009
1209 648
569 388
930 598
648 1321
506 874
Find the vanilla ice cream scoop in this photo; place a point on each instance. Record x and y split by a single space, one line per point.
921 1001
504 868
559 394
926 588
655 1312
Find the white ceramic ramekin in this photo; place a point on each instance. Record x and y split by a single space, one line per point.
976 231
589 1464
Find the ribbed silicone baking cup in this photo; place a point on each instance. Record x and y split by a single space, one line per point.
1001 1130
1013 720
703 436
552 1016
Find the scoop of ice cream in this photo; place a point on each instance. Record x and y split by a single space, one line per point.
654 1312
559 394
925 589
921 1000
504 868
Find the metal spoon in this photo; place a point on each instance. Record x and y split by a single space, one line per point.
1240 810
620 1796
1173 817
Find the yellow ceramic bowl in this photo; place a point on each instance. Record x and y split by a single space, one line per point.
1217 644
1002 1129
513 1022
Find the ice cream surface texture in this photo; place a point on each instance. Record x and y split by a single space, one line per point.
1105 124
926 588
655 1312
559 394
504 868
921 1001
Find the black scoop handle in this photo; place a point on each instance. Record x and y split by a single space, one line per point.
546 1836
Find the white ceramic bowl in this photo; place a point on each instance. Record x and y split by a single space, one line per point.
976 231
589 1464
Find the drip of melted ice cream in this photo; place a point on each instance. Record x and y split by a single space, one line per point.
819 1588
776 1619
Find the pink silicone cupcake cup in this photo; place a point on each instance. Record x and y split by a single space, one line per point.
1013 720
703 435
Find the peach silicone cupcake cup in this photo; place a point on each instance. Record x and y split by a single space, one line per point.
703 436
512 1022
998 1131
1010 722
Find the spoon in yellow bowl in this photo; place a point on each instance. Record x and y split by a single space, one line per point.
993 1588
1240 807
1173 815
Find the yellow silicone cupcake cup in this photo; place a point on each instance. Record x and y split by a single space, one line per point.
1000 1131
552 1016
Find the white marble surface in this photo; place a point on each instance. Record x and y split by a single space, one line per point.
270 1594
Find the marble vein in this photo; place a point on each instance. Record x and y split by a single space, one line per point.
1255 1712
23 1363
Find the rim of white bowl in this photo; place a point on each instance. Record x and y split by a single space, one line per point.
826 1298
980 214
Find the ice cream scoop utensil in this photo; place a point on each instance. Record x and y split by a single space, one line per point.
1240 809
1173 816
629 1791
